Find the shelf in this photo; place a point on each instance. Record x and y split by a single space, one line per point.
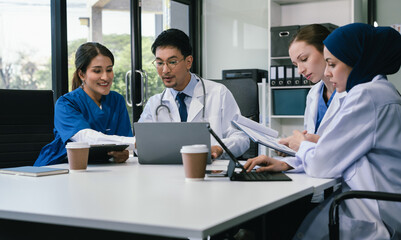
299 12
287 2
287 116
290 87
280 58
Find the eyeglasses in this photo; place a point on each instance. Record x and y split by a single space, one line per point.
170 64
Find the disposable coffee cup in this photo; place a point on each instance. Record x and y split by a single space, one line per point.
77 154
194 159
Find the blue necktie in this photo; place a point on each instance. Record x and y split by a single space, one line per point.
182 107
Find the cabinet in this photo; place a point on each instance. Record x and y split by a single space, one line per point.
304 12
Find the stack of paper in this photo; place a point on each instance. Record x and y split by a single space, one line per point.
261 134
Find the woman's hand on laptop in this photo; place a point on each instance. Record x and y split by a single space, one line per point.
266 164
216 151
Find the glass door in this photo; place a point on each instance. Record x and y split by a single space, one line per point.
149 19
106 22
25 44
128 28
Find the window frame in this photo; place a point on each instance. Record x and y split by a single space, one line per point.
59 53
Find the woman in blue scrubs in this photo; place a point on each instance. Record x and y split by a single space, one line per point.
91 112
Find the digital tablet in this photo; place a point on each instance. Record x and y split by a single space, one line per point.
98 153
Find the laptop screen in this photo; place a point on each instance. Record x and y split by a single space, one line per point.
161 142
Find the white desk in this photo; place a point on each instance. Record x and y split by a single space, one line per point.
147 199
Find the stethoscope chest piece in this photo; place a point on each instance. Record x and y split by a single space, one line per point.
164 106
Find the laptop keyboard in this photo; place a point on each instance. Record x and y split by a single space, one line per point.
259 176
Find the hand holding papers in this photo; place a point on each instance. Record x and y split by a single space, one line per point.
261 134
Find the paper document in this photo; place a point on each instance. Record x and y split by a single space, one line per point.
261 137
256 126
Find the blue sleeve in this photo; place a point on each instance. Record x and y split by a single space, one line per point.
68 119
124 122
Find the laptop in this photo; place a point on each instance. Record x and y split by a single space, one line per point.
243 175
161 142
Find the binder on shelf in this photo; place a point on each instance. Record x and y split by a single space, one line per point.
273 76
281 75
305 82
297 77
289 75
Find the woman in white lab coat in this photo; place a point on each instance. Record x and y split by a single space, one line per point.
322 102
306 52
362 143
219 108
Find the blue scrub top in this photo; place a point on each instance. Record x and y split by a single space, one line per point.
76 111
322 107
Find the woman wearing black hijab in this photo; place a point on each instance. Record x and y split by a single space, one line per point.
362 145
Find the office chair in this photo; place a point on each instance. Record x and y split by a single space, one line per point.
26 125
334 224
245 92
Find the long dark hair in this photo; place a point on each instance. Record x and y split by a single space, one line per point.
84 55
313 34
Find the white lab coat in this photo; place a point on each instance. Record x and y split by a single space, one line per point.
362 146
312 101
310 118
221 108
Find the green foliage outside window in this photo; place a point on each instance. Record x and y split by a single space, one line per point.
28 74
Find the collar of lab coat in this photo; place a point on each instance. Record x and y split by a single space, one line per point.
330 113
169 101
312 107
195 107
334 107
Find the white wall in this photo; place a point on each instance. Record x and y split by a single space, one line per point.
234 36
335 12
235 33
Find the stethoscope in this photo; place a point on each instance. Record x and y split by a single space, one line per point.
161 105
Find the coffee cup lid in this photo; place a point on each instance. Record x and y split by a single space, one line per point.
77 145
197 148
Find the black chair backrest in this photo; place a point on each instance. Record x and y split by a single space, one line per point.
26 125
245 92
334 218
